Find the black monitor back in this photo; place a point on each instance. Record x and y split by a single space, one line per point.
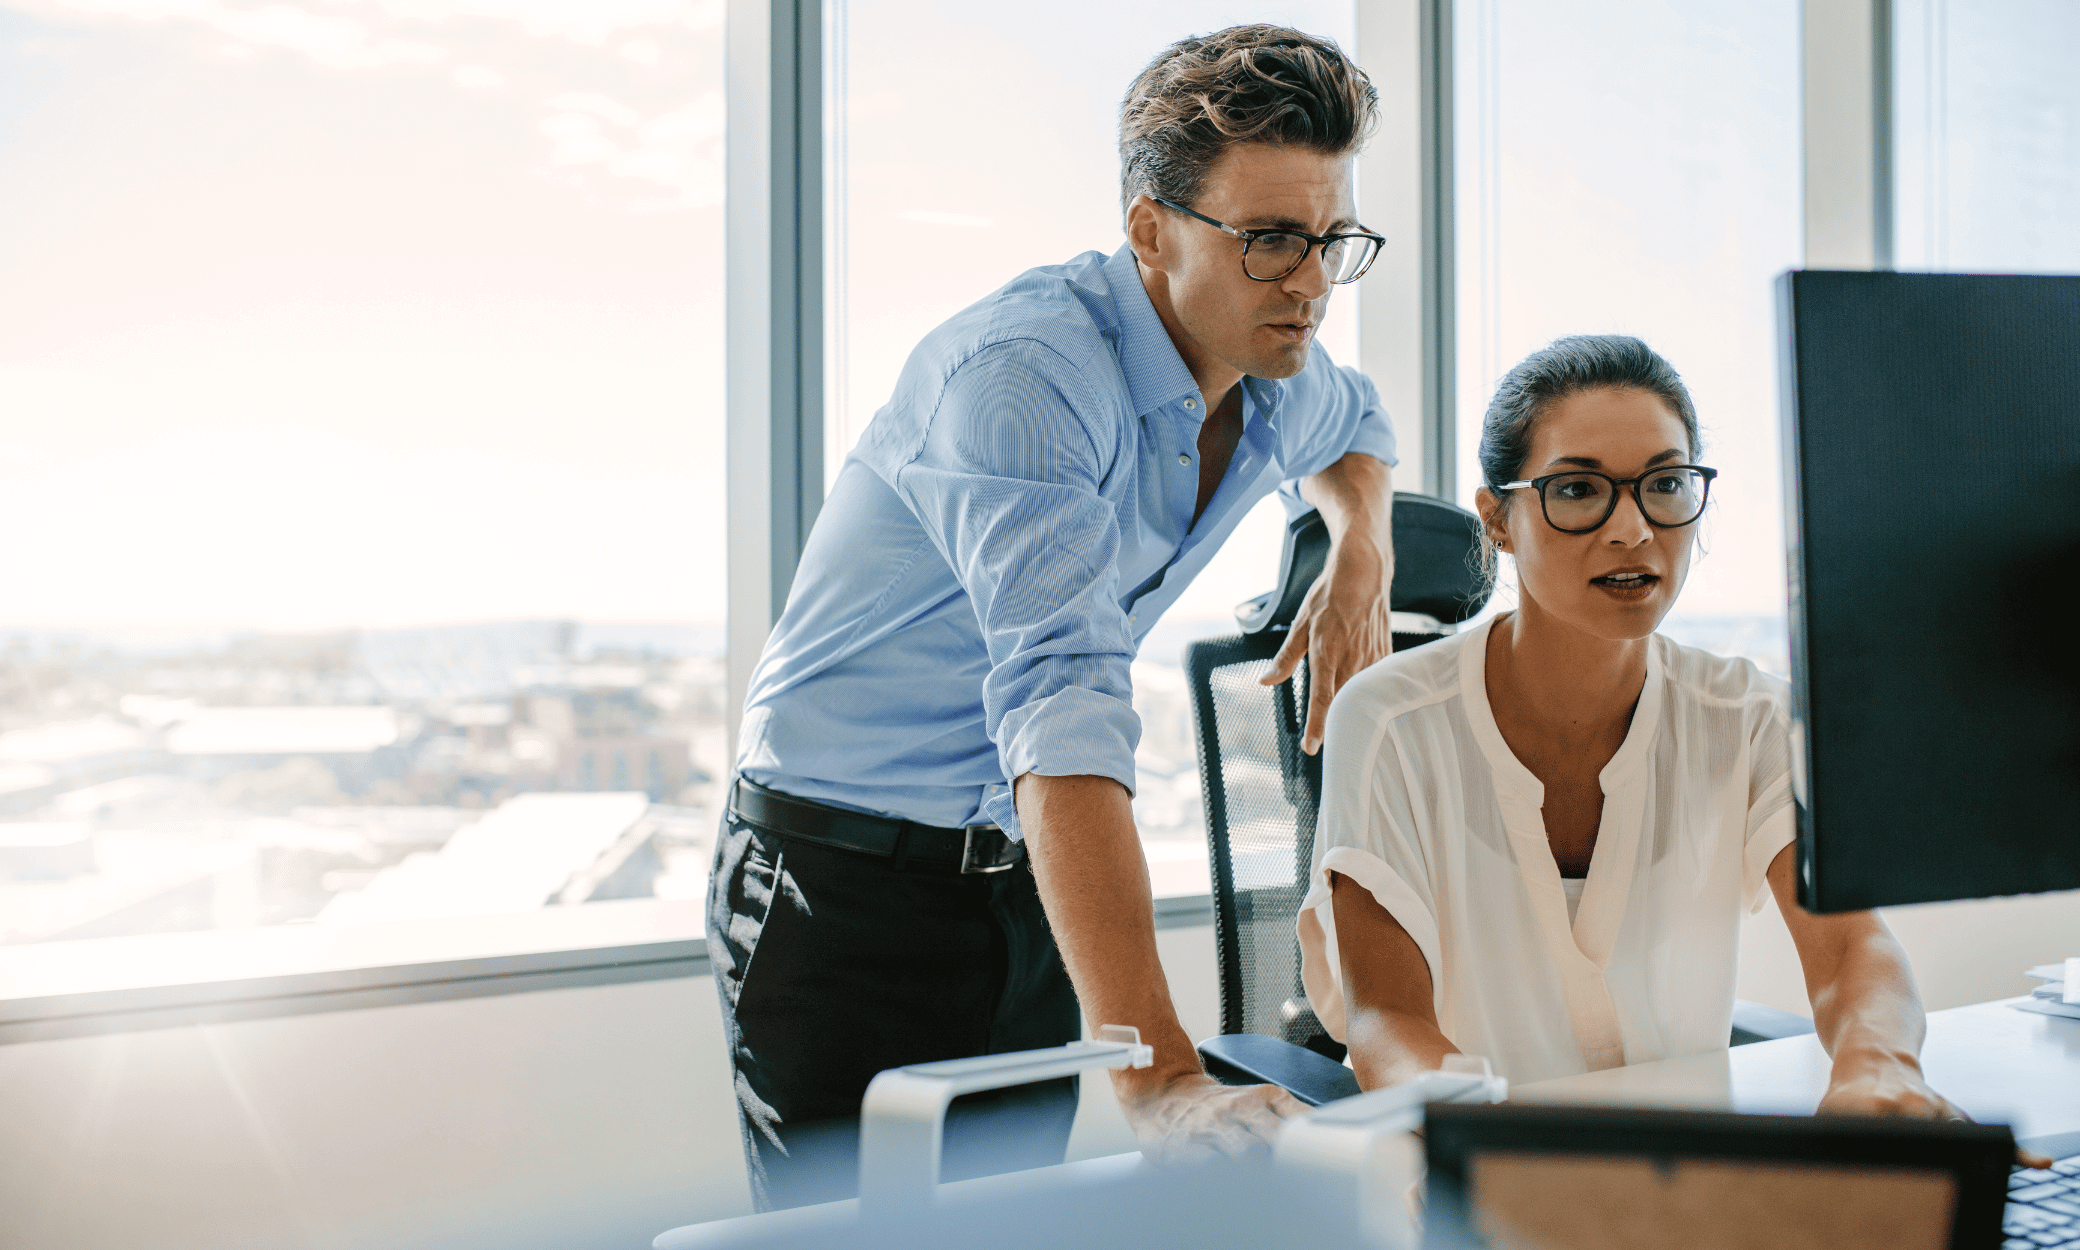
1932 454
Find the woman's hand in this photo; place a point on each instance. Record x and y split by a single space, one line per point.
1879 1084
1876 1084
1866 1011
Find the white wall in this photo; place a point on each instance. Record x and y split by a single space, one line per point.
1965 952
567 1119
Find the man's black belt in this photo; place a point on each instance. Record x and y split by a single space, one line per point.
976 848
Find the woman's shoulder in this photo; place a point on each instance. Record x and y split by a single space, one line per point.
1405 681
1723 679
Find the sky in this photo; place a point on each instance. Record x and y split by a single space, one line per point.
322 313
360 313
1633 167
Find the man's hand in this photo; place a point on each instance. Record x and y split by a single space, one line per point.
1342 628
1093 881
1195 1118
1345 624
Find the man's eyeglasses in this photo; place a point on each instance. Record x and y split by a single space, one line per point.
1268 255
1581 501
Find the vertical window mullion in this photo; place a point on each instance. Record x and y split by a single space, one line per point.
775 313
1405 306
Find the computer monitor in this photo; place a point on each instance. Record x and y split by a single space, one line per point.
1932 461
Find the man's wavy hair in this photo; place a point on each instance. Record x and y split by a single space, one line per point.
1245 84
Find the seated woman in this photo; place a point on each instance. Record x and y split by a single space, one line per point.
1538 837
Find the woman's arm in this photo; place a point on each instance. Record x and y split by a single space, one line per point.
1864 1005
1866 1009
1390 1023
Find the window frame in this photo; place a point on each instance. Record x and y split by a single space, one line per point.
775 52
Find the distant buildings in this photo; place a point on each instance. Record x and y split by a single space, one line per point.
265 779
536 850
40 761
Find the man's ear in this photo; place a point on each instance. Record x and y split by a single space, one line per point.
1145 232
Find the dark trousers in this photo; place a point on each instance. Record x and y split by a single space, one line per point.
833 966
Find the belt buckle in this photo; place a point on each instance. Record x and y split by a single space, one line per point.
969 864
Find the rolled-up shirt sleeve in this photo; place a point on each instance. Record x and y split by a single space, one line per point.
1343 414
1367 830
1771 823
1006 482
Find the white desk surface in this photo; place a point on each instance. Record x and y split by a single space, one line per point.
2002 1066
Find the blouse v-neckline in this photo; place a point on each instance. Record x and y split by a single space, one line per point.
1580 950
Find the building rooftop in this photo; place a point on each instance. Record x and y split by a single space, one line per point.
284 731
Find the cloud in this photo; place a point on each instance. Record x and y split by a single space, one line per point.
675 156
476 78
933 217
589 22
575 58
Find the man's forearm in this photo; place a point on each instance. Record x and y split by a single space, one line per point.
1086 856
1356 499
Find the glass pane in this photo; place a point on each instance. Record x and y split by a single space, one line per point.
1027 176
362 373
1987 111
1632 167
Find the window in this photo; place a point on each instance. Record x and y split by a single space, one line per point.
362 380
917 234
1987 148
1633 167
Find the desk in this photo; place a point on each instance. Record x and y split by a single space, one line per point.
1999 1064
2002 1066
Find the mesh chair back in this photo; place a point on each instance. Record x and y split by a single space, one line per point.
1261 792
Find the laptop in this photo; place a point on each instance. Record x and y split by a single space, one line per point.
1549 1177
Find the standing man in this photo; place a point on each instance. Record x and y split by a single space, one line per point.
930 850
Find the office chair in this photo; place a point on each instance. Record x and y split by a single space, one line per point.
1261 793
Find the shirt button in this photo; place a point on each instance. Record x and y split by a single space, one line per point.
1182 458
1191 403
1133 618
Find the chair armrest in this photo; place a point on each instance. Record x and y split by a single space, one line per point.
1235 1058
1753 1022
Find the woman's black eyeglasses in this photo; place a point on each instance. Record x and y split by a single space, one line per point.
1268 255
1581 501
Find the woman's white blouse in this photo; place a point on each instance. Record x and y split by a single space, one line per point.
1424 805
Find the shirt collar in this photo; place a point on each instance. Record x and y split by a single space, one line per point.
1156 374
1267 394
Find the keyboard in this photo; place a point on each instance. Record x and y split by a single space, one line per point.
2043 1207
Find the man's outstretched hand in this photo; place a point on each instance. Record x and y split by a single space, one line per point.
1343 626
1194 1118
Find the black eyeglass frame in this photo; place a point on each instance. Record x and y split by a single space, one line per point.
1249 238
1539 484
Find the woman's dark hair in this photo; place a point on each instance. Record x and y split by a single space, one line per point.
1246 84
1565 367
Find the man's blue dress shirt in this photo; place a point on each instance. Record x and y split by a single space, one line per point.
1008 529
